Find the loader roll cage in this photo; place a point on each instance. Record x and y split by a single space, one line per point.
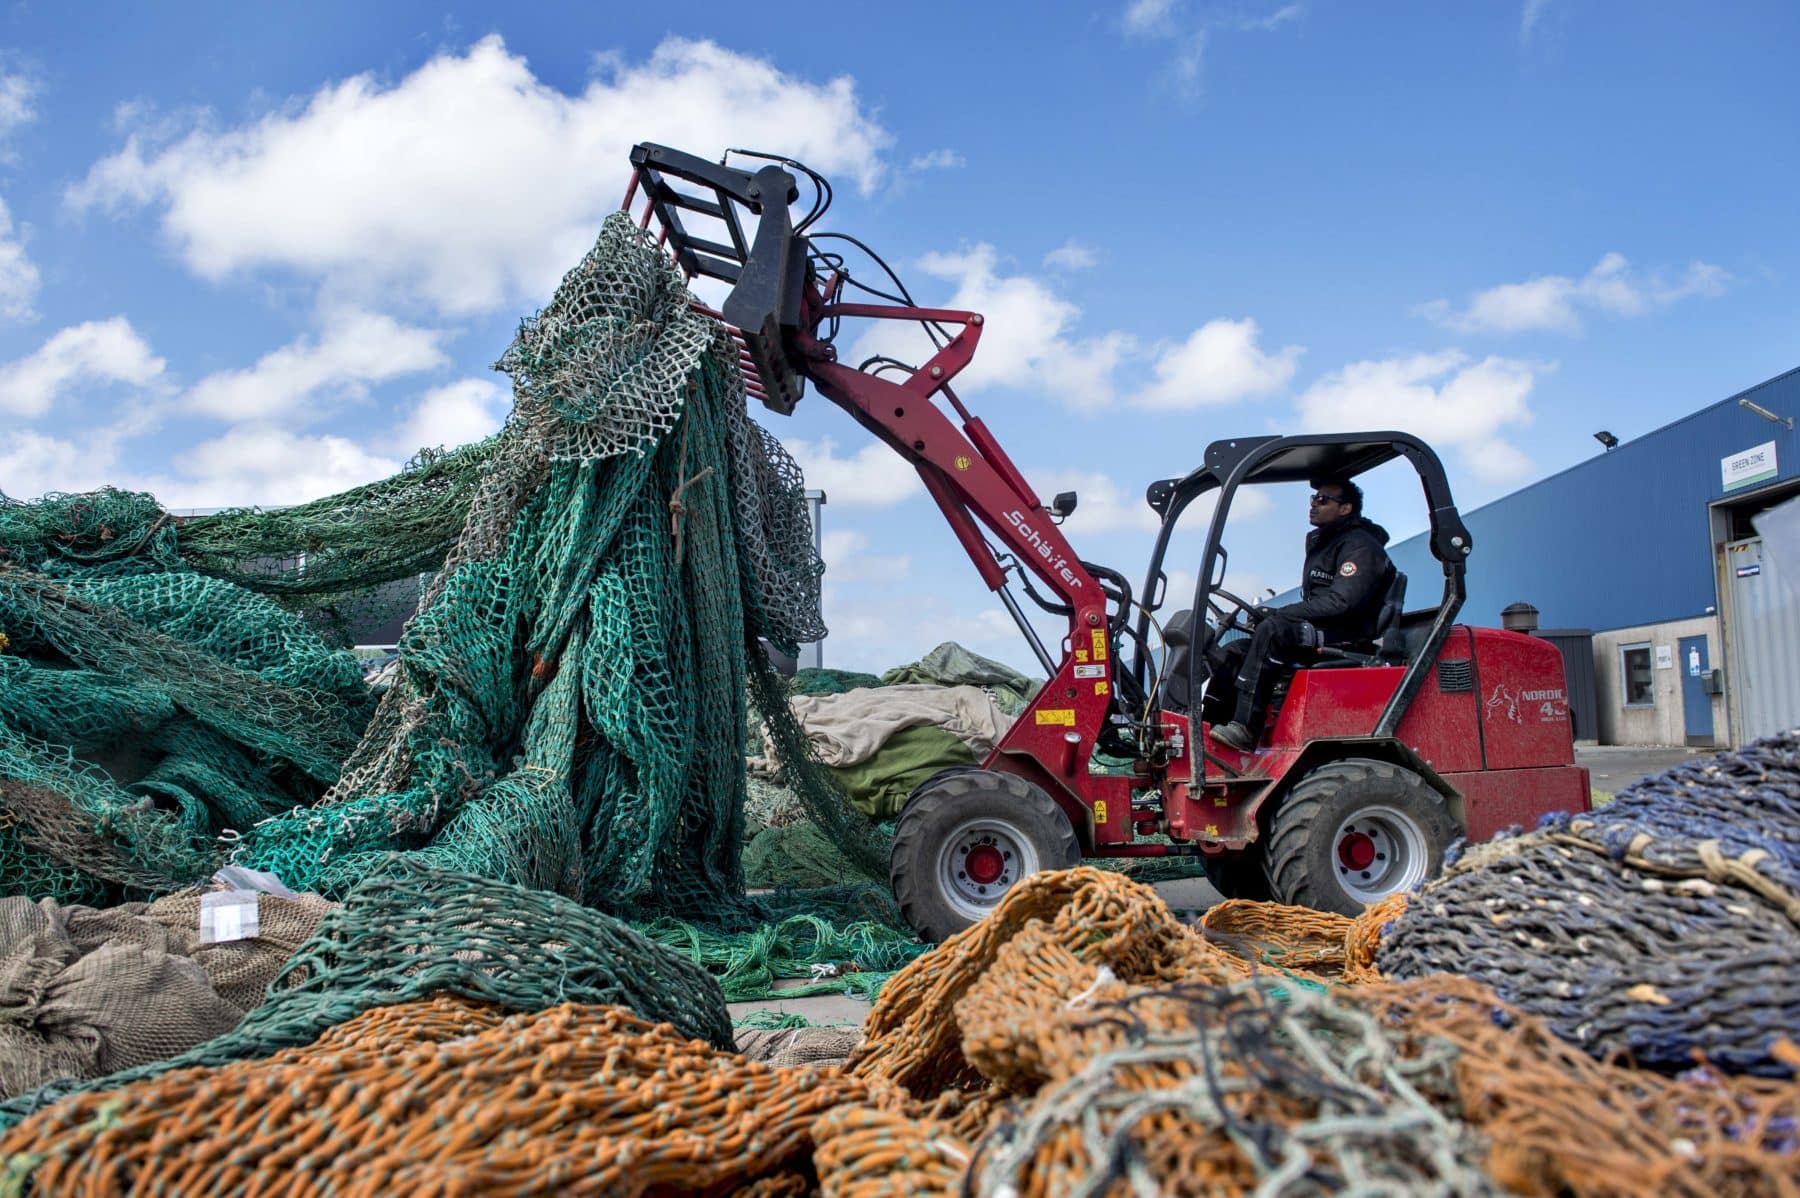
1244 461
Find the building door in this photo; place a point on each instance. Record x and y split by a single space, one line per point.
1696 702
1765 641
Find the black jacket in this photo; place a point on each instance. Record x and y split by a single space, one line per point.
1344 580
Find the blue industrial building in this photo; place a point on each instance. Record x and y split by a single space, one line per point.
1654 547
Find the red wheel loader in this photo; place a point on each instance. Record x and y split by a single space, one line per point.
1374 759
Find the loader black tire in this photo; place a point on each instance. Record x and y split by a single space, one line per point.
1008 820
1389 806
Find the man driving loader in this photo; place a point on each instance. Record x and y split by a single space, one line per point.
1343 583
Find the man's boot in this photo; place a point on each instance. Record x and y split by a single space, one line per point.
1235 734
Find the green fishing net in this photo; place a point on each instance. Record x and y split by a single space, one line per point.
569 706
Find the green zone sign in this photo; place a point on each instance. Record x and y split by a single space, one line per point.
1751 466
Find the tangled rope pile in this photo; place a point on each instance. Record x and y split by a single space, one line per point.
1665 924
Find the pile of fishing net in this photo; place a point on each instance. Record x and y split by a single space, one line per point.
166 681
1665 924
567 709
1080 1040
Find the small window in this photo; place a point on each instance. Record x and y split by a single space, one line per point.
1636 676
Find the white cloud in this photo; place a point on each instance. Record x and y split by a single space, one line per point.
1070 255
1219 363
1101 507
258 464
939 160
1528 18
458 414
847 560
1446 398
469 184
32 464
18 276
356 349
1160 19
1189 59
18 102
99 352
873 476
1025 339
1497 460
1149 18
1554 303
1274 20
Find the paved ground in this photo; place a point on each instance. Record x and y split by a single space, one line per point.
1611 769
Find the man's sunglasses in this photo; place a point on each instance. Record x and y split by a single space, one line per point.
1321 498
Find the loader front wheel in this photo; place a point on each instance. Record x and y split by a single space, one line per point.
964 839
1353 832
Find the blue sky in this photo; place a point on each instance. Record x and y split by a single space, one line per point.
258 254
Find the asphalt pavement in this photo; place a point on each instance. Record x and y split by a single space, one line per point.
1611 768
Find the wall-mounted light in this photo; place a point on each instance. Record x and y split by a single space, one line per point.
1607 439
1771 417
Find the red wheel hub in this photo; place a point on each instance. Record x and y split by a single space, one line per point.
984 865
1356 851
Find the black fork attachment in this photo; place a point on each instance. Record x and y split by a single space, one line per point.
770 275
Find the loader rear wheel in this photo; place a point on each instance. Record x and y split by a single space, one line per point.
1353 832
967 837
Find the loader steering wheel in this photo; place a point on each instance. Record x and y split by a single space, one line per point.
1242 616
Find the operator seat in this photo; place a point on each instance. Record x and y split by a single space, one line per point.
1387 647
1390 638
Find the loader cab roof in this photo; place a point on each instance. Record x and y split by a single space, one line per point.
1301 459
1246 461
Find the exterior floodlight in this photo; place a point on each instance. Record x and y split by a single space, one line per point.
1771 417
1605 438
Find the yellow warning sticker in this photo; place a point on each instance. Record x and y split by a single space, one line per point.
963 462
1099 636
1081 655
1212 831
1058 715
1100 811
1103 688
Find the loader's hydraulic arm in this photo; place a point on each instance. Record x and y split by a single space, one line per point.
786 302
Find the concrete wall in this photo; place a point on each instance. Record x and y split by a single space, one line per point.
1662 723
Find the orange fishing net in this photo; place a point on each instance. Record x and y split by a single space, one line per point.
446 1096
1099 919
